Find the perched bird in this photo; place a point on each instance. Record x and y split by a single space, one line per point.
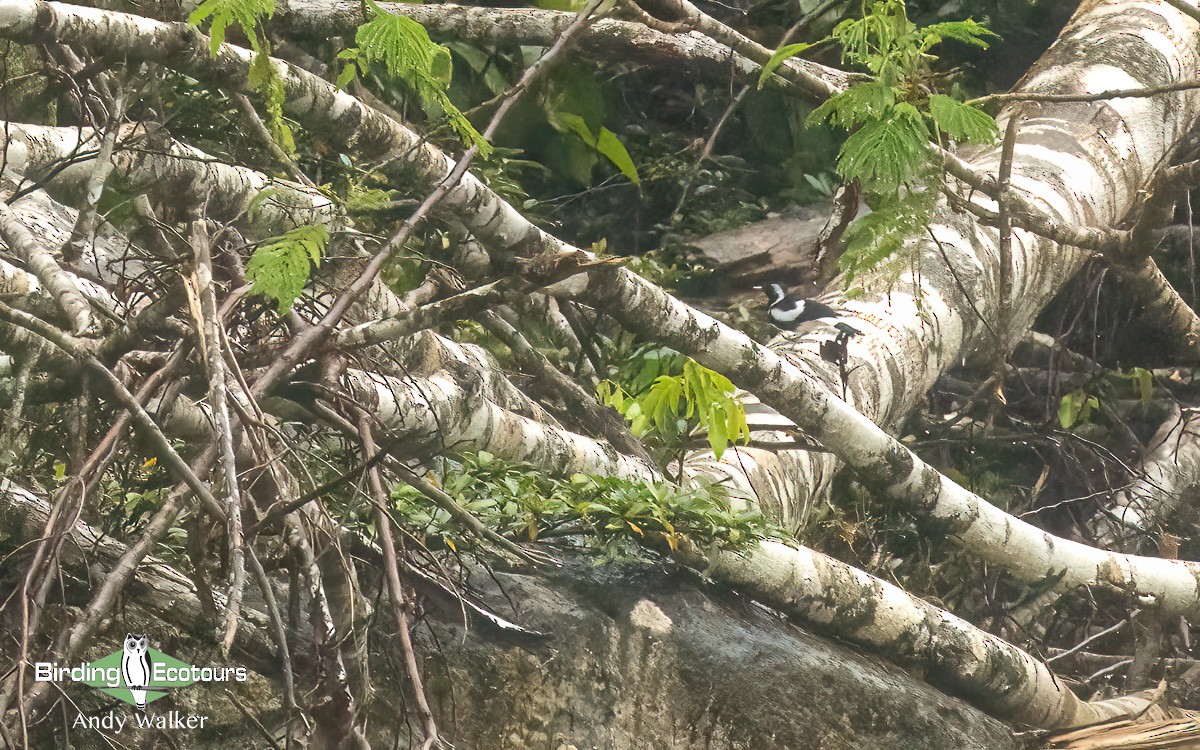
788 313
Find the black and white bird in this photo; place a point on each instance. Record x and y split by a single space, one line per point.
788 313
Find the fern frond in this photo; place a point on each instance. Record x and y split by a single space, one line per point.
280 266
407 53
879 235
885 154
225 13
968 32
857 104
962 122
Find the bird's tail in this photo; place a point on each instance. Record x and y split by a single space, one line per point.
139 698
847 329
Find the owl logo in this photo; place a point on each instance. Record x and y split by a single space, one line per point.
135 667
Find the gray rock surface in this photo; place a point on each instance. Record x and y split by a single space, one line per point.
640 657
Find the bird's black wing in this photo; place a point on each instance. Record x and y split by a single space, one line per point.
814 310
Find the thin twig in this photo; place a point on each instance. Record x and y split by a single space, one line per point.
264 134
85 222
391 574
1090 639
308 340
208 331
1023 96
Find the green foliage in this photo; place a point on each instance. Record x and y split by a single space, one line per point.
962 122
968 32
885 154
1142 381
673 267
520 501
603 141
1076 408
280 266
892 118
778 58
823 184
880 234
362 199
502 170
262 77
863 102
574 105
668 405
404 49
245 14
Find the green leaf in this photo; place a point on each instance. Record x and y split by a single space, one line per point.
1076 407
887 153
1068 410
362 199
266 81
780 55
224 13
968 32
718 439
606 143
859 103
879 235
1143 384
280 266
407 53
346 76
611 147
962 122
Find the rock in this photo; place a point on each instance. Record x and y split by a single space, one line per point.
779 249
643 657
616 657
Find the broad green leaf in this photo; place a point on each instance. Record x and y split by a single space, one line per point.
347 75
718 439
778 58
1068 410
1143 384
1076 408
611 147
605 143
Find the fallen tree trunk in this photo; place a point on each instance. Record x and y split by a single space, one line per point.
1168 479
913 328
